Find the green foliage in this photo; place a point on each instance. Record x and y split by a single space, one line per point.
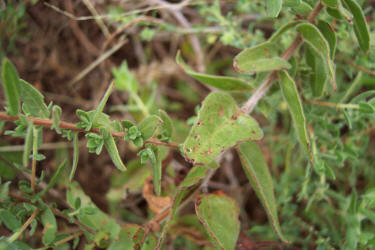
11 86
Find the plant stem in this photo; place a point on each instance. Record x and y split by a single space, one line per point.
71 126
24 226
33 163
337 105
140 104
68 238
248 107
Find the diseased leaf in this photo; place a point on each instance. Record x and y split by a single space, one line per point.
28 144
194 176
257 171
219 215
110 145
220 125
329 35
101 105
274 7
148 126
291 96
75 156
50 226
315 39
359 22
259 59
128 238
10 80
220 82
33 100
10 220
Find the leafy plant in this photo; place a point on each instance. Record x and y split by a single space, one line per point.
324 189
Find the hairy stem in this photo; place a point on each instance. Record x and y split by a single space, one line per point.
24 226
267 83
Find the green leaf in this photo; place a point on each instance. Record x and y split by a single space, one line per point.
331 3
148 126
54 179
219 215
276 35
195 174
302 9
128 237
10 220
56 114
33 100
258 173
329 35
166 127
101 105
366 108
259 59
4 191
110 145
359 22
154 156
291 96
124 79
315 39
274 7
28 144
11 86
220 82
50 226
291 3
220 125
319 76
75 156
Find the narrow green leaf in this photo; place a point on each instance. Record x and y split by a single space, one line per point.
366 108
331 3
220 82
148 126
10 220
195 174
259 59
220 125
167 126
10 80
315 39
291 96
75 156
56 114
258 173
4 191
110 145
329 35
33 100
53 179
28 144
154 156
359 22
319 76
274 7
276 35
50 226
101 105
219 215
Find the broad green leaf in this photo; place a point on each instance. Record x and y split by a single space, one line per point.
291 96
359 22
53 179
319 76
124 79
33 100
366 108
101 105
276 35
10 80
56 114
291 3
335 13
154 156
127 238
258 173
302 9
219 215
50 226
274 7
315 39
220 125
331 3
110 145
10 220
75 156
148 126
259 59
329 35
166 127
220 82
28 144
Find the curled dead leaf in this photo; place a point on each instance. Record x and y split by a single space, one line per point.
157 204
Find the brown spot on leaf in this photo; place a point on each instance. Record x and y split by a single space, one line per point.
221 111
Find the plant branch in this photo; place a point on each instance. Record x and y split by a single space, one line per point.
267 83
71 126
24 226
